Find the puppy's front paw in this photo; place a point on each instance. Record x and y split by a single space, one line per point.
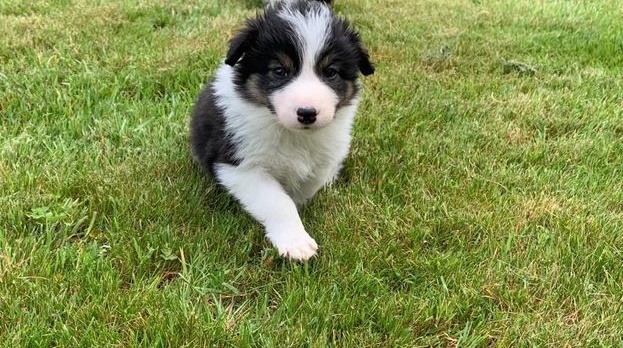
293 243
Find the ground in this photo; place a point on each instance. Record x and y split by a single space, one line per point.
481 205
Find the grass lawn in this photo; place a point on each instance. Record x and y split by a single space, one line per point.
481 205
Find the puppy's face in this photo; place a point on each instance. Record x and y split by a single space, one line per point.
300 61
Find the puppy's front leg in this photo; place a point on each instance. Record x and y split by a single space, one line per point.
266 200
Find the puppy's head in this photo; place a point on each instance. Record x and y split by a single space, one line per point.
300 61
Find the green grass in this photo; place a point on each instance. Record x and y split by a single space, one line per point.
482 203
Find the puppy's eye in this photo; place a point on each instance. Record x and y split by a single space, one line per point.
280 71
330 73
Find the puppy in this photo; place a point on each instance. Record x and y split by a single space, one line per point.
273 127
273 2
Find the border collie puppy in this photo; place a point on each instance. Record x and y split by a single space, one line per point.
274 125
273 2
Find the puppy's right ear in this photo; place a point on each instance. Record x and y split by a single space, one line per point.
241 43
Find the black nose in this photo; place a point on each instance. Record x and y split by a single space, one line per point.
306 115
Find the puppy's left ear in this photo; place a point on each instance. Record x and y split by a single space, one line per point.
241 43
365 66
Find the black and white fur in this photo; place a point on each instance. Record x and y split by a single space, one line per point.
274 2
274 125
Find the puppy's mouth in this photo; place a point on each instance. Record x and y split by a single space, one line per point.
303 128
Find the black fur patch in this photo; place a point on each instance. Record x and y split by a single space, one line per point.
208 138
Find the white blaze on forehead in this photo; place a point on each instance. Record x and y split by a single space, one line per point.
312 29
